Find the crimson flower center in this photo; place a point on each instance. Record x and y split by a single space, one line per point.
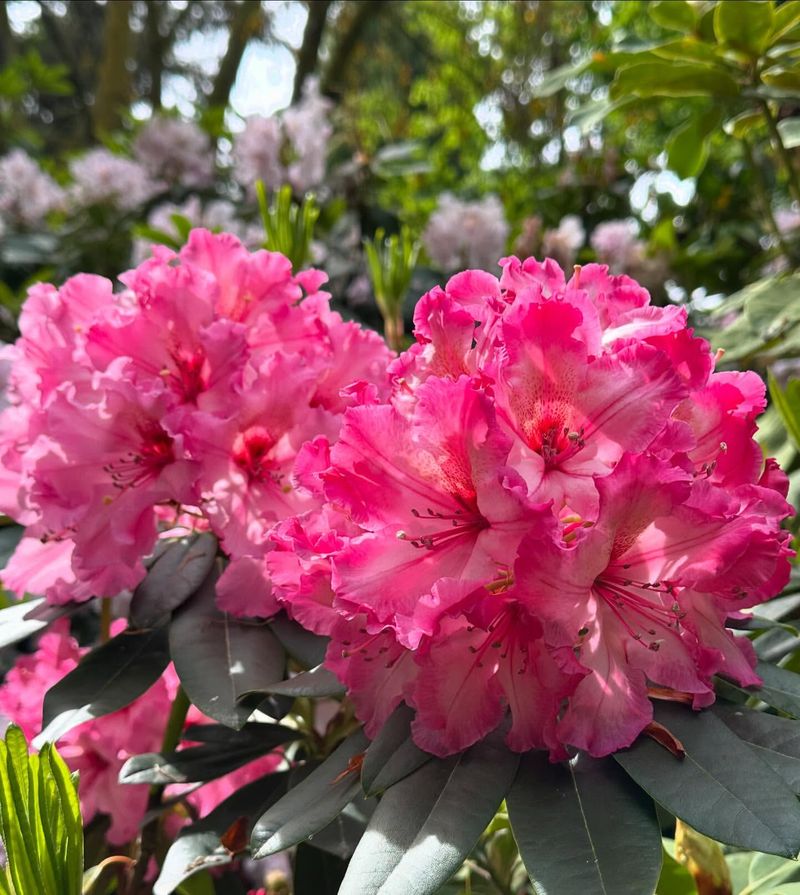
554 440
252 452
155 452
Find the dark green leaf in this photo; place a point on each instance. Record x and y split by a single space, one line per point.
202 763
721 787
219 658
678 15
312 804
10 536
744 26
775 739
392 755
783 79
107 679
309 649
175 575
781 688
344 832
672 79
476 784
560 818
198 846
319 681
400 815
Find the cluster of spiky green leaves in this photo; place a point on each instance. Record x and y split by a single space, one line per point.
40 821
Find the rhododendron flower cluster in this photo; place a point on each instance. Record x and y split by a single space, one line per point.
27 194
98 749
182 401
466 234
616 244
175 151
553 514
291 148
100 176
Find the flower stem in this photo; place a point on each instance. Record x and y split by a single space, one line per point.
105 619
149 837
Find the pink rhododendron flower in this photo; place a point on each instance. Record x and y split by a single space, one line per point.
552 515
98 749
186 396
175 151
27 194
471 234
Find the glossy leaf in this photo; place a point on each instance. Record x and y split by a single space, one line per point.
648 79
302 645
174 576
678 15
317 682
471 787
789 130
560 818
788 403
205 762
199 846
780 688
557 78
743 124
392 755
776 740
721 787
787 17
219 659
313 803
745 26
107 679
25 619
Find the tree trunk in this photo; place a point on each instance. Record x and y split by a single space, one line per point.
246 21
360 14
312 38
6 37
156 46
113 93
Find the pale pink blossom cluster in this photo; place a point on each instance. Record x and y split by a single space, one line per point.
27 194
563 243
98 749
175 151
616 244
184 399
466 234
291 148
552 515
101 177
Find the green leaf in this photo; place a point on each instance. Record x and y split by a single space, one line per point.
689 49
788 403
198 847
205 762
780 688
787 16
174 576
471 787
675 879
560 818
392 755
107 679
556 79
789 130
785 80
743 124
312 804
679 15
721 787
648 79
219 658
768 874
687 146
744 26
